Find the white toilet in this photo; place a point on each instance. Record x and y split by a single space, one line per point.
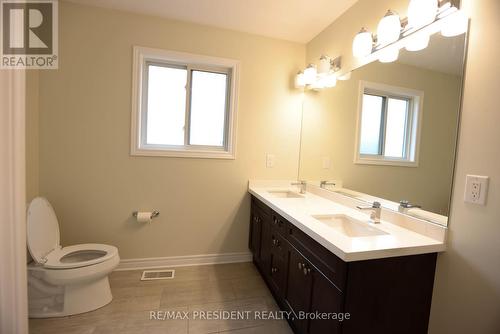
64 280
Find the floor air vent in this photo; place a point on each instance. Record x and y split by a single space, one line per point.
151 275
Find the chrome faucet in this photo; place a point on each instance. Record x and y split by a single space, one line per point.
376 210
323 184
302 185
405 205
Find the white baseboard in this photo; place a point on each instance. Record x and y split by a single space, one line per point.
181 261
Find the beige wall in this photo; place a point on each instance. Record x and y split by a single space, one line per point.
467 287
329 129
85 167
32 135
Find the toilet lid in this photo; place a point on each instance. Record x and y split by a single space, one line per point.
42 229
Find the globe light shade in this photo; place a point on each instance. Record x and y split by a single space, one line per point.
421 12
388 55
310 74
389 28
324 65
417 42
455 25
362 44
299 80
318 84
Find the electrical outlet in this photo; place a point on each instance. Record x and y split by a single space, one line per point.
270 160
476 189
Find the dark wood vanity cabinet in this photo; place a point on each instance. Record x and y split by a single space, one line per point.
389 295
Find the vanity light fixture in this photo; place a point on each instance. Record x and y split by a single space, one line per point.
324 65
456 24
417 42
310 74
389 28
425 18
299 80
388 55
328 80
322 76
363 44
421 12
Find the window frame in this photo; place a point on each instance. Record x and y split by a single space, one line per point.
144 57
412 130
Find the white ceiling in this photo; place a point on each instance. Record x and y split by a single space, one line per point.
293 20
444 54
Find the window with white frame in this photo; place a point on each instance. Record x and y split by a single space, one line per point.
184 105
388 125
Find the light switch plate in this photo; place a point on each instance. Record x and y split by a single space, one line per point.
270 160
476 189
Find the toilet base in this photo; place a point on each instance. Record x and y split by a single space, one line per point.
72 299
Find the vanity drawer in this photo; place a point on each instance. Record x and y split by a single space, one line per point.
328 263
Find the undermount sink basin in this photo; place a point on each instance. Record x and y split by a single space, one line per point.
349 226
285 194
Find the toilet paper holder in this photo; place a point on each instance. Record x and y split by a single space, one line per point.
154 214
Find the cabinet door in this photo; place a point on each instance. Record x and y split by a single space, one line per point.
278 271
298 289
327 299
255 234
265 248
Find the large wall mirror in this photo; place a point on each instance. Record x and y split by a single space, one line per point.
389 133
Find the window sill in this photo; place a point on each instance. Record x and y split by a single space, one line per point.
386 162
181 153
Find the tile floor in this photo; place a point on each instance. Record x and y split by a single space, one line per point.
225 287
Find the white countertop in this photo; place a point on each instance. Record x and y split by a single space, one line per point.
398 242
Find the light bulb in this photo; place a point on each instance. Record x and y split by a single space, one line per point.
310 74
299 80
388 55
417 42
421 12
455 25
362 44
389 28
324 65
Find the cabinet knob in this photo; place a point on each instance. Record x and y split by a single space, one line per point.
274 269
300 266
306 271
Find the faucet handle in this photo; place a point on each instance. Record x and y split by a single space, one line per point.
323 184
376 205
407 205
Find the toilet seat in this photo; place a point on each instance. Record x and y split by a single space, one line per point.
43 240
79 256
